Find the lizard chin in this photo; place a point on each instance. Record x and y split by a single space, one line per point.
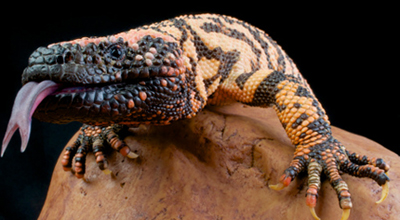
26 102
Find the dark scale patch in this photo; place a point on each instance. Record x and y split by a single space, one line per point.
297 105
303 92
267 90
215 19
299 120
218 27
242 79
281 54
227 59
233 33
180 24
227 19
265 45
281 61
281 107
190 78
294 79
319 148
320 112
320 126
211 27
293 171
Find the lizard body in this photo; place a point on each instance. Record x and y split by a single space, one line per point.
167 71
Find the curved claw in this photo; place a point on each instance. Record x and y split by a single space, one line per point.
283 182
107 171
277 187
385 192
314 214
345 214
132 155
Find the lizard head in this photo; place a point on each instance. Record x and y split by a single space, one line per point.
131 78
105 60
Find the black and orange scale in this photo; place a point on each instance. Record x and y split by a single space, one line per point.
163 72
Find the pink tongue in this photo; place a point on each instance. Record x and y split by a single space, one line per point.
28 98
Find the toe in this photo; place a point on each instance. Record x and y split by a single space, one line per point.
69 154
116 141
98 150
80 158
364 160
374 172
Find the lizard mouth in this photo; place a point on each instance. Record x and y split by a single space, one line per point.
99 104
59 103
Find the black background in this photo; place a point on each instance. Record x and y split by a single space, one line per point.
348 54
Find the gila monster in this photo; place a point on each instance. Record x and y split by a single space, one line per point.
167 71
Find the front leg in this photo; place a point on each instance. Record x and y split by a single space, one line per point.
98 140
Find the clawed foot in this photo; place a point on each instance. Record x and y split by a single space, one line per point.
332 158
95 139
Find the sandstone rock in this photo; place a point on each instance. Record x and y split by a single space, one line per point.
214 166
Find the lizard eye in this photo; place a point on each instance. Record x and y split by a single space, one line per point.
116 52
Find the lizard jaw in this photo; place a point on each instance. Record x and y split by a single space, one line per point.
27 100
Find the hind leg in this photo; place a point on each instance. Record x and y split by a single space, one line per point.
309 130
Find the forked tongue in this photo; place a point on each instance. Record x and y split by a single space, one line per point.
28 98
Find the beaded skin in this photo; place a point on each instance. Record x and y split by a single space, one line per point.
167 71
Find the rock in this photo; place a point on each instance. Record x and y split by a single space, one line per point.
214 166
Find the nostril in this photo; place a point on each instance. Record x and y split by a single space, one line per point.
60 59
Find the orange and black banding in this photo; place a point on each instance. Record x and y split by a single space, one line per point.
167 71
93 139
79 166
112 135
363 166
69 154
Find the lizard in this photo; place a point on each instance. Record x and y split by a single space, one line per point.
167 71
